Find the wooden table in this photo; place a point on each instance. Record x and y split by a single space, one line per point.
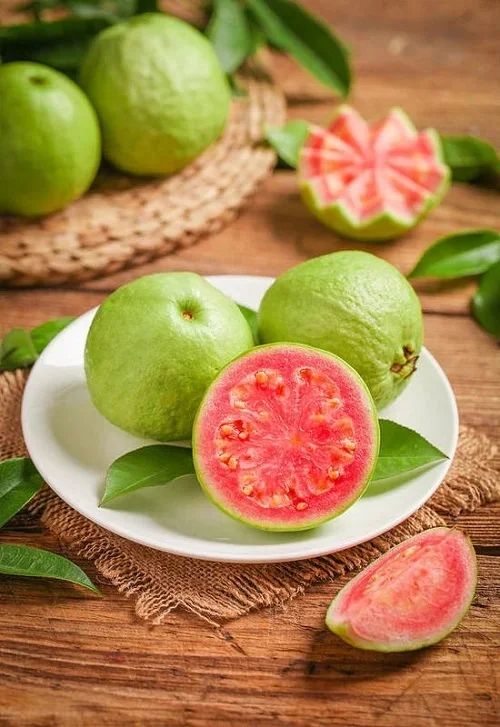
68 659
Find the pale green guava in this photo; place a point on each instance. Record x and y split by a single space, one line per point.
153 348
159 91
355 305
50 145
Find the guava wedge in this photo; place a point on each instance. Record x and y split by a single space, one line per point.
372 182
411 597
286 437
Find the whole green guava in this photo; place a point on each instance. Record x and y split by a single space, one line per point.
50 145
153 348
159 91
355 305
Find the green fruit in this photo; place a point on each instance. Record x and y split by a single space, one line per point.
411 597
160 93
49 140
355 305
153 348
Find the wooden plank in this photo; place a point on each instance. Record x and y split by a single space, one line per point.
276 231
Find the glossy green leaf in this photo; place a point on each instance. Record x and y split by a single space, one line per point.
43 334
486 301
20 348
17 350
156 464
288 26
146 6
22 560
19 481
230 34
287 140
403 451
469 157
459 255
251 318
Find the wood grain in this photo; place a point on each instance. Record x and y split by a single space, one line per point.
67 658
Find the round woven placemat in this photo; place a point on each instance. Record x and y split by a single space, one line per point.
124 221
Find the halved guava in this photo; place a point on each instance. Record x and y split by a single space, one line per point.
372 182
411 597
286 437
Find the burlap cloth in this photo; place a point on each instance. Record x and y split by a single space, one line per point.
159 582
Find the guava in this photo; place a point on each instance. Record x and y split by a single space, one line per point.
411 597
355 305
50 145
372 182
153 348
286 437
159 91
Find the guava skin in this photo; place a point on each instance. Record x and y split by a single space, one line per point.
354 305
153 348
159 91
347 610
50 144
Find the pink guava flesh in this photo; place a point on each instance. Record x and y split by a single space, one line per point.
411 597
385 175
286 437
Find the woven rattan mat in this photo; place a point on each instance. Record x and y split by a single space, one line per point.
124 221
159 582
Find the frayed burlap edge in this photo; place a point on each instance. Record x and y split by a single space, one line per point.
218 592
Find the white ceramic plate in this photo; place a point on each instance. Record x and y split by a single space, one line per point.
72 446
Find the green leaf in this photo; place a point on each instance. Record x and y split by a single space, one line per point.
287 140
251 318
230 34
43 334
402 451
146 6
17 350
19 481
486 301
20 348
22 560
469 157
60 44
156 464
288 26
459 255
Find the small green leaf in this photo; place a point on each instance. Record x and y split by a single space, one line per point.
288 26
459 255
22 560
17 350
20 348
486 301
402 451
43 334
251 318
156 464
19 481
469 157
230 34
146 6
287 140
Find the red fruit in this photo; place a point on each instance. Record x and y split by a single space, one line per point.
372 182
411 597
286 437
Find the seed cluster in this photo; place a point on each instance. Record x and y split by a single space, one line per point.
285 440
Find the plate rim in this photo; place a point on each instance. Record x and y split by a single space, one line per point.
222 556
